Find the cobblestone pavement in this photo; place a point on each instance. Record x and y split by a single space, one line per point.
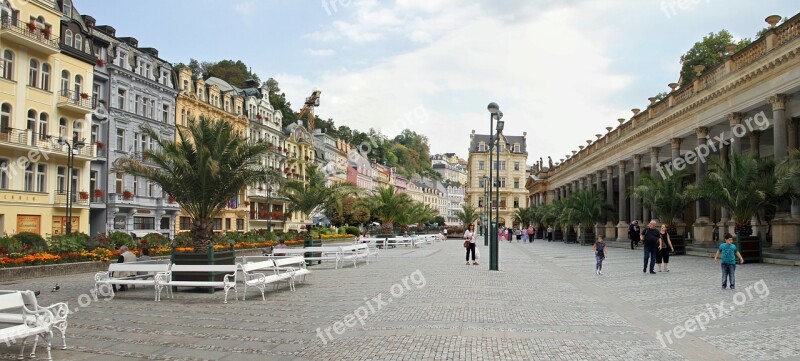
546 303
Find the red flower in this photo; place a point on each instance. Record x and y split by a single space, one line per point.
101 62
98 193
171 199
127 195
31 26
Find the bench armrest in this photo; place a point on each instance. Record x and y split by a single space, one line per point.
60 310
228 277
102 276
254 276
162 278
42 317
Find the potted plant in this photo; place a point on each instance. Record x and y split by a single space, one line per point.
99 193
247 203
280 149
262 213
46 32
259 117
84 96
83 195
171 199
101 62
100 145
127 195
32 26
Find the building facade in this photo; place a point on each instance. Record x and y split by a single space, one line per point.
450 167
750 98
46 74
513 155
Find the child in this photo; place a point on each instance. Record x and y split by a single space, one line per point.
599 249
728 250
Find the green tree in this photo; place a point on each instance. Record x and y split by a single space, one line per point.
744 186
707 52
584 207
347 210
234 72
467 215
206 166
666 195
314 196
788 175
387 205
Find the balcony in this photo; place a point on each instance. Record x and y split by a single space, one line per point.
31 36
27 139
78 200
97 201
77 102
128 200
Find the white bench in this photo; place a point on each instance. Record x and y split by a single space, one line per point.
60 310
134 268
32 323
355 253
164 279
295 265
325 253
260 280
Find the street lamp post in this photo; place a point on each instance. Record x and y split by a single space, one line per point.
494 111
486 206
72 148
494 260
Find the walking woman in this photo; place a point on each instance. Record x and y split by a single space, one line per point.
469 235
663 253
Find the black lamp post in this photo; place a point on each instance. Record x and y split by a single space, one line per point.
494 111
494 260
72 148
486 210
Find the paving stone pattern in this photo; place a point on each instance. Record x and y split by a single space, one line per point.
546 303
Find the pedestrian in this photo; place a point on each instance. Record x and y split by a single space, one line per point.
518 234
525 235
663 253
729 253
531 234
125 256
651 239
510 234
549 233
599 255
469 236
633 234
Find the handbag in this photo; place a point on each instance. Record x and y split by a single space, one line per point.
466 244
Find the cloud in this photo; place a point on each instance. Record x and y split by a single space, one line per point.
319 52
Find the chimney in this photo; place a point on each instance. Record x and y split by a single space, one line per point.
107 29
130 41
90 22
152 51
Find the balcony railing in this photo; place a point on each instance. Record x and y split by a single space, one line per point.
28 138
62 197
75 99
31 32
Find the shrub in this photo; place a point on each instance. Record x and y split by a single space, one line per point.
99 240
351 230
31 242
153 240
64 243
119 239
182 240
9 245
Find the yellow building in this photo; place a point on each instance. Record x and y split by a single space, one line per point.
46 77
513 155
299 156
215 99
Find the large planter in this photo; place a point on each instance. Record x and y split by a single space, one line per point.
678 242
558 235
750 248
587 238
572 237
213 257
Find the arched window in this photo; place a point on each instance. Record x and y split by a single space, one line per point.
43 120
64 83
68 37
62 127
78 85
78 42
45 85
5 117
32 115
77 127
68 8
8 64
33 74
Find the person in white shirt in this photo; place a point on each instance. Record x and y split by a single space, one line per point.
469 236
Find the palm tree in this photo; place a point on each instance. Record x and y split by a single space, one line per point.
744 186
388 206
788 175
207 165
467 215
666 196
584 207
313 196
524 216
417 212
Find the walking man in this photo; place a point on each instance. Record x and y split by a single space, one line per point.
651 239
633 234
549 233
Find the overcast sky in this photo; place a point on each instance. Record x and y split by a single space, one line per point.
561 70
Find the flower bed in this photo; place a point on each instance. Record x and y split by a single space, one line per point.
20 260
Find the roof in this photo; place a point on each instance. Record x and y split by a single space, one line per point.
476 139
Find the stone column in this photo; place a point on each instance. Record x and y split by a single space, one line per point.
653 166
636 206
735 120
724 212
784 227
702 227
779 129
610 200
598 176
622 226
675 145
755 142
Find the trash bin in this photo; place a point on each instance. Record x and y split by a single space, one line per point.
309 241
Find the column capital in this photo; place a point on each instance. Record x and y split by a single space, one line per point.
755 132
609 169
676 143
735 118
637 158
778 101
621 164
702 132
654 151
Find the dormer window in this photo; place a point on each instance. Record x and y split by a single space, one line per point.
67 8
78 42
68 37
482 147
516 147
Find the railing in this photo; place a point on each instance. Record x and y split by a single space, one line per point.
98 199
83 100
683 94
31 32
62 197
42 142
749 54
787 31
713 76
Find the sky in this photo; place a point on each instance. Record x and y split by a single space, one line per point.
561 70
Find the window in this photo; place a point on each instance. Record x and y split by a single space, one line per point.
121 140
120 222
33 73
185 223
8 65
503 182
92 182
45 84
138 104
516 183
217 224
76 129
144 223
165 113
28 186
239 224
118 183
78 85
136 148
183 117
43 120
64 83
481 147
62 127
516 147
516 202
152 113
96 92
227 223
516 165
151 189
32 121
61 179
135 185
165 222
503 202
503 165
186 85
5 116
480 165
480 203
3 173
95 131
41 176
68 37
482 182
78 42
67 8
121 99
